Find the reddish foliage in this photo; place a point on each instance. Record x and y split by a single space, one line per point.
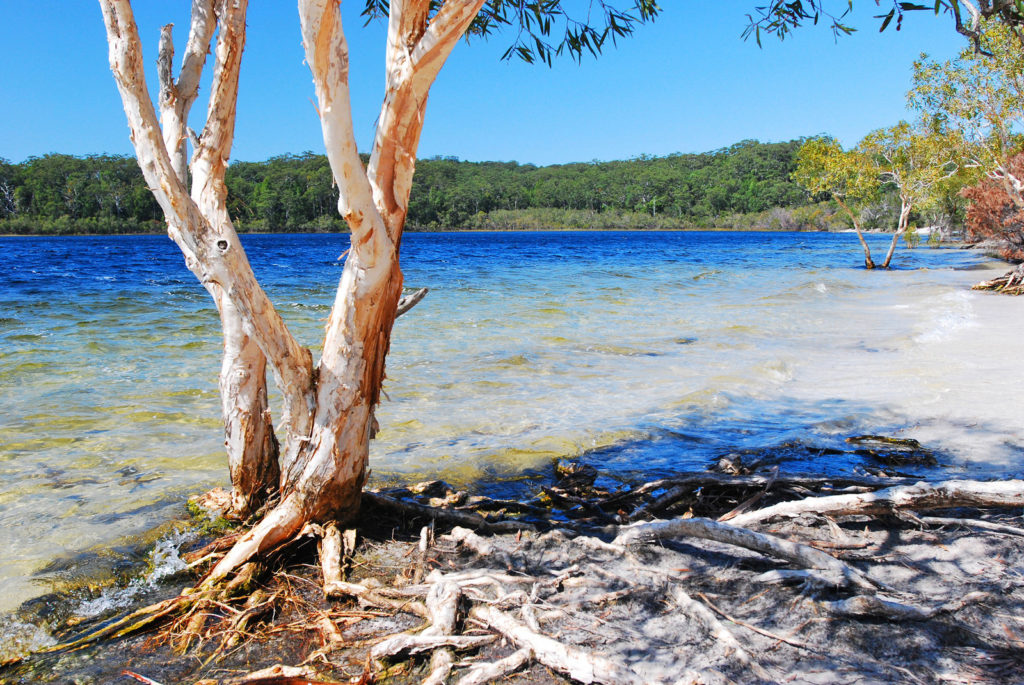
991 213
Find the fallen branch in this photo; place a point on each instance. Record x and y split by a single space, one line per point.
449 516
755 629
719 632
747 504
977 524
950 493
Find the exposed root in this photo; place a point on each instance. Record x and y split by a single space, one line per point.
576 663
548 605
278 527
718 631
876 607
976 524
1010 283
805 556
479 674
759 631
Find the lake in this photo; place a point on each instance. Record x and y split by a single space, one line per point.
644 354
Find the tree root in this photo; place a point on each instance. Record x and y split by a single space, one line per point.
803 555
480 674
513 598
1010 283
877 607
576 663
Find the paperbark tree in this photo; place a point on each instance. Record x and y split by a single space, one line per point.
914 161
328 409
822 166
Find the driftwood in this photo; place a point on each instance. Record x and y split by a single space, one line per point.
950 493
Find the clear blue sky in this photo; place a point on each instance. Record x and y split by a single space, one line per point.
687 83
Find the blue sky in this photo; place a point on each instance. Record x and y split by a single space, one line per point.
687 83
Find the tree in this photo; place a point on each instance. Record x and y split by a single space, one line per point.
995 213
317 473
847 176
914 160
982 96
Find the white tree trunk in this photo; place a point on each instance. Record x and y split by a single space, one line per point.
323 481
868 263
328 415
901 228
249 439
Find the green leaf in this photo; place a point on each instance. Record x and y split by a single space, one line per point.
888 18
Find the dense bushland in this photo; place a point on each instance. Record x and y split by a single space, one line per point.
747 185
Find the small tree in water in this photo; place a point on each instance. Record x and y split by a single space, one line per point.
316 473
823 167
914 160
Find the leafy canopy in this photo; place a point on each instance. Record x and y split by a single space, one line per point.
780 17
822 166
914 159
980 94
545 29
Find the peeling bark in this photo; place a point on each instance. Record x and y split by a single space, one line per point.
162 153
328 413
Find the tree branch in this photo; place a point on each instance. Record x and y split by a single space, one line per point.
327 55
216 260
411 70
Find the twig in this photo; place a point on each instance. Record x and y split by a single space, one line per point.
759 631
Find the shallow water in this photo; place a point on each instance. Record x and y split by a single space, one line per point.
642 353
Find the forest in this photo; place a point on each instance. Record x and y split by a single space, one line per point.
747 185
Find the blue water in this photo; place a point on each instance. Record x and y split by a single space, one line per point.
642 353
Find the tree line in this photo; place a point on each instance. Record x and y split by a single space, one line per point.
746 185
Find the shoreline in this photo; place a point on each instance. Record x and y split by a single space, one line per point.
658 611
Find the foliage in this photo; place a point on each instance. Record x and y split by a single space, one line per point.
780 17
824 168
62 194
915 160
993 214
545 29
981 96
